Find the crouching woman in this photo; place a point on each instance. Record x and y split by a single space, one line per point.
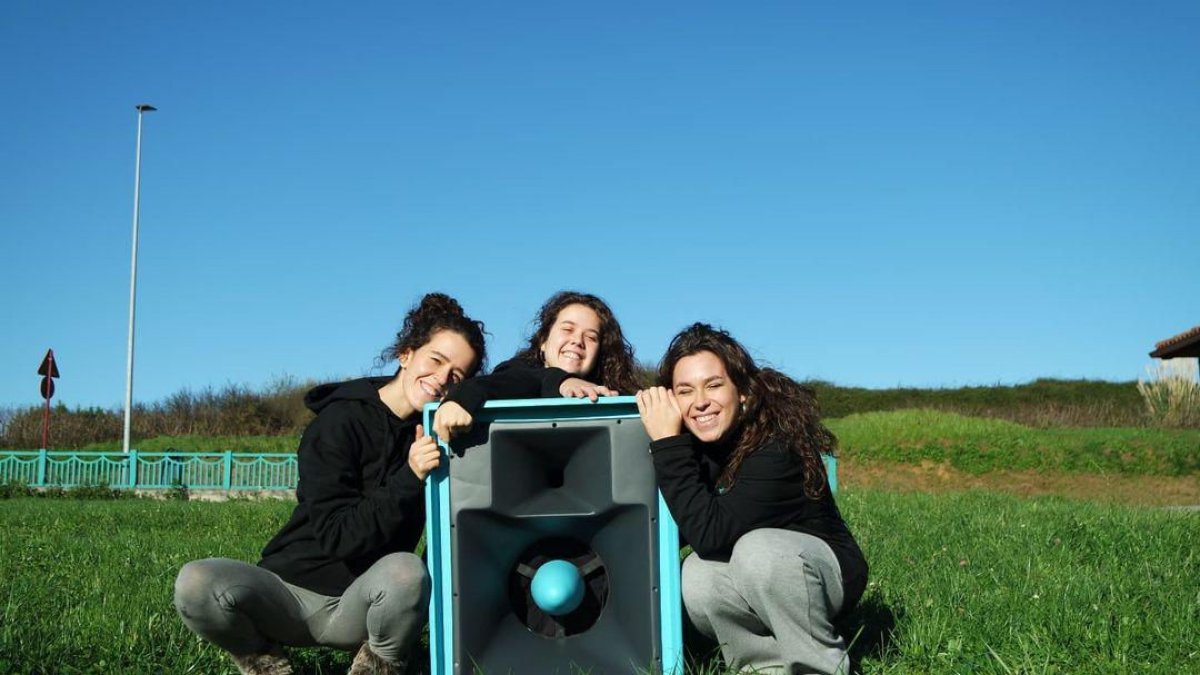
577 351
341 572
737 456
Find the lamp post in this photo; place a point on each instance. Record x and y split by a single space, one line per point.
137 185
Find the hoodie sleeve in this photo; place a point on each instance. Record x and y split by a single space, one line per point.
515 378
712 523
347 521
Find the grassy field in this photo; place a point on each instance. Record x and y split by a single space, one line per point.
971 582
978 444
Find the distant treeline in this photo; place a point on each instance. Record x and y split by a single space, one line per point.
278 410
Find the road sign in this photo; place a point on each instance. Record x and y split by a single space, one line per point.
48 370
48 367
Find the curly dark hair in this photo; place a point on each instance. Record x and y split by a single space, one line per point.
437 312
614 363
777 407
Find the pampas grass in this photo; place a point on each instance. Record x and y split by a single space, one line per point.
1172 392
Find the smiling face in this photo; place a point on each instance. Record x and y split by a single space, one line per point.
426 372
573 342
710 402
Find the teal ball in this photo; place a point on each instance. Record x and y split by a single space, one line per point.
557 587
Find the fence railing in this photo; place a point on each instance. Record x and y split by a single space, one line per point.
164 470
150 470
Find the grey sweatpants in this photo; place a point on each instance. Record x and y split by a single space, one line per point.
245 609
771 606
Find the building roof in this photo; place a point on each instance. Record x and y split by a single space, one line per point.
1186 344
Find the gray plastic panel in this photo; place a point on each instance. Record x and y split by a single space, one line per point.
519 482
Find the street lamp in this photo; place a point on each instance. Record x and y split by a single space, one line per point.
137 185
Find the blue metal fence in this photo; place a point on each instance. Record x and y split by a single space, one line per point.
164 470
150 470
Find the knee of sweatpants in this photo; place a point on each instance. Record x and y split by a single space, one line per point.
699 583
401 580
196 587
756 557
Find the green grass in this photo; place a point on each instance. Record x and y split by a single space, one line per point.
979 445
979 582
206 444
970 582
1041 403
88 584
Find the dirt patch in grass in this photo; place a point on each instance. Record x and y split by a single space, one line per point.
933 477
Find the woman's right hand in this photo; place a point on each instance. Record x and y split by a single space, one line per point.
451 418
574 387
424 455
660 413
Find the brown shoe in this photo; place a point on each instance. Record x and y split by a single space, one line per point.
272 662
367 662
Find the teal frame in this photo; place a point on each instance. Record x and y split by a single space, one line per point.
437 509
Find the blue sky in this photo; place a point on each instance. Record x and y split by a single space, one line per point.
877 194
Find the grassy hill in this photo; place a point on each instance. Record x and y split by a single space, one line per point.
977 444
1041 403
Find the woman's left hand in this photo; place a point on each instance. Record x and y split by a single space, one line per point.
424 455
574 387
660 412
450 419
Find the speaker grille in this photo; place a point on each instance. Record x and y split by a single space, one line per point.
529 488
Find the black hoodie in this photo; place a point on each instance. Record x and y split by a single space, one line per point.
768 493
515 378
357 498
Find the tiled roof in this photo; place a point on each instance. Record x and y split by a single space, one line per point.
1176 339
1188 339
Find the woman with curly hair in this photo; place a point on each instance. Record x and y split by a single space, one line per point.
341 572
577 350
737 455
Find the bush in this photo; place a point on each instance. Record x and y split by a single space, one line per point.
234 410
103 491
1042 403
11 489
1172 393
68 428
6 415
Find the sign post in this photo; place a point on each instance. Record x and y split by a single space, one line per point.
48 370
